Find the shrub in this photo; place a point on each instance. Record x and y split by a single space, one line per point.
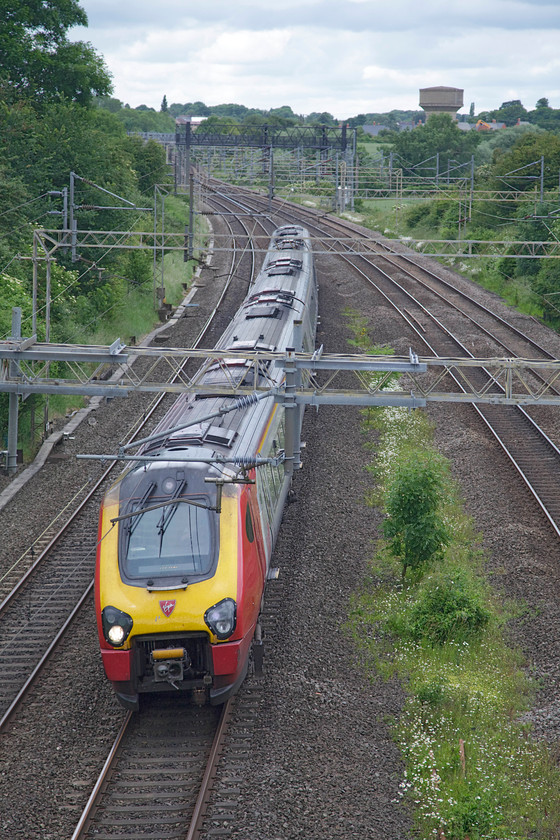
416 213
432 693
450 607
414 527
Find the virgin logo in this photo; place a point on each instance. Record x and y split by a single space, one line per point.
167 607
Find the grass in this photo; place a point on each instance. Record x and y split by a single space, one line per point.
133 318
472 768
390 217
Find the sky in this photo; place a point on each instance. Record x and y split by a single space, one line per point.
346 57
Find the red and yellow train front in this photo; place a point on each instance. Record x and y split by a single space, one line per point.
178 585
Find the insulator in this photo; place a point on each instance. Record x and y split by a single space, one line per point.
246 400
245 461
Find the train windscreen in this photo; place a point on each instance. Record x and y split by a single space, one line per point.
173 541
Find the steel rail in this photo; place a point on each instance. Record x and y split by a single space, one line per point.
8 600
44 659
209 774
129 438
481 412
386 247
202 799
83 823
101 787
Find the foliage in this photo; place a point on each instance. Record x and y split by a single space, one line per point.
415 529
471 771
440 135
544 116
192 109
524 159
148 160
449 607
141 119
493 144
38 61
284 113
546 286
14 293
509 112
323 118
391 119
217 123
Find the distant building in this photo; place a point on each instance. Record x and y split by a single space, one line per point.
408 126
194 121
441 100
374 129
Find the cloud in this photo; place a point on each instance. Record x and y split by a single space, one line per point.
341 56
245 47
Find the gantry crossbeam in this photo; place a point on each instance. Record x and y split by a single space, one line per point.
53 240
377 380
261 136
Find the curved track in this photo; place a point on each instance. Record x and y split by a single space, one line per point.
50 588
530 449
403 300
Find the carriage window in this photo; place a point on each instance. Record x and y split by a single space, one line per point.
249 525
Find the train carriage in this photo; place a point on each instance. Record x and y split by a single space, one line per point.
186 536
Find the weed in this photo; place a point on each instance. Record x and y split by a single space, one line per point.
471 769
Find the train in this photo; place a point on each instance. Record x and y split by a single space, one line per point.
186 533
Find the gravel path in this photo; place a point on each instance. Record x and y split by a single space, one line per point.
321 762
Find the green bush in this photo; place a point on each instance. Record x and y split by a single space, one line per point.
416 213
473 815
450 607
416 532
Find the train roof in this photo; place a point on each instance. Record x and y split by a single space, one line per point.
265 321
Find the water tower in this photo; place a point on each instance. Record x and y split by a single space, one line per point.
441 100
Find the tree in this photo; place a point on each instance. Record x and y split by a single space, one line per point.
546 285
528 150
193 109
284 113
149 163
510 112
231 109
109 103
495 143
38 61
320 119
164 108
217 124
146 119
414 526
440 135
544 116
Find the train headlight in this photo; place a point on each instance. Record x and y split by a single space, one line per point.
221 618
116 625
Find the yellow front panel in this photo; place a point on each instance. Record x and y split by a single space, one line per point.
192 603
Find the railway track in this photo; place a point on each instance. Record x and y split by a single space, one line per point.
123 814
528 446
45 587
156 779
